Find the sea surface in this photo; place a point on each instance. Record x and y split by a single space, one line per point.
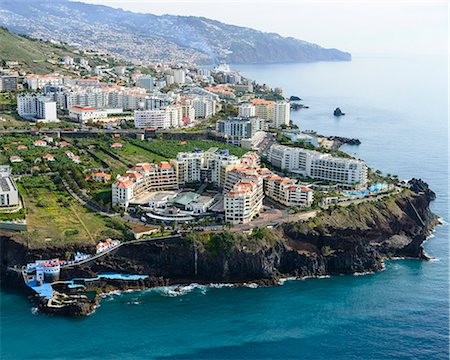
397 107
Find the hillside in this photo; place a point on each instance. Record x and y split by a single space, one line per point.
35 54
147 37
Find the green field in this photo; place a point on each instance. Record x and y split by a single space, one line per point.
168 149
54 218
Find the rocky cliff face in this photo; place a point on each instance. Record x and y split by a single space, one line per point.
337 241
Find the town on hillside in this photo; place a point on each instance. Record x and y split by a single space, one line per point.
115 153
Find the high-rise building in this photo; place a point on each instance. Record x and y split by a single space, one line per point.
281 114
36 107
243 202
179 76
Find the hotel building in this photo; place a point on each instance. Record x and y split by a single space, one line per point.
287 192
243 202
143 178
235 129
313 164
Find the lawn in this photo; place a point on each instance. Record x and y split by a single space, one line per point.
136 154
55 219
168 149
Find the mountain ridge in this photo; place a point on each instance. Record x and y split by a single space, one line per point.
148 37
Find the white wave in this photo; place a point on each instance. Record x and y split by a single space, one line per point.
250 285
111 294
283 280
434 260
221 285
173 291
34 310
133 303
363 273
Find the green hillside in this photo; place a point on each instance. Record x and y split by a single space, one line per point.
36 56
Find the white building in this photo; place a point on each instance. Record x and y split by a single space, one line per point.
319 166
169 117
281 114
37 107
243 202
188 113
174 114
179 76
141 179
85 113
247 110
151 118
9 195
35 82
200 166
204 107
287 192
236 128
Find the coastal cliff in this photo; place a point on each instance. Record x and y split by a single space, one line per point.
339 240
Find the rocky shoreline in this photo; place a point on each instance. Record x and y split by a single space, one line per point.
352 240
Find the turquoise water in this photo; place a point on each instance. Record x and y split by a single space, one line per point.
398 109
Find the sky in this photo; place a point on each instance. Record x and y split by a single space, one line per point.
384 27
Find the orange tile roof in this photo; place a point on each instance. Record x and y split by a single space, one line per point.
125 184
164 165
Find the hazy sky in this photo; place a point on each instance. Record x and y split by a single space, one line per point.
365 27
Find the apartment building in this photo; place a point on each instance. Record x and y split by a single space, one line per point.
310 163
35 82
263 108
151 118
281 114
287 192
169 117
243 202
204 107
179 76
210 166
141 179
247 110
36 107
236 128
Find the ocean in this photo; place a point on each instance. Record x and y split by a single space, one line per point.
397 107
